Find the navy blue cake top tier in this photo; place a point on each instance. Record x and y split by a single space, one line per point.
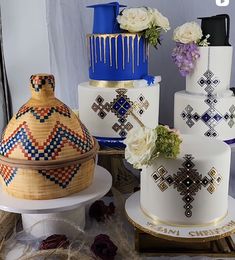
105 18
218 27
114 54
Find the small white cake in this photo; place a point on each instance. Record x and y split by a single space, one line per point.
111 112
211 116
189 190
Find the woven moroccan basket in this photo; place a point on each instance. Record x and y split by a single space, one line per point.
45 151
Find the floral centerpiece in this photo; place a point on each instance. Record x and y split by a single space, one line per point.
188 38
144 145
144 20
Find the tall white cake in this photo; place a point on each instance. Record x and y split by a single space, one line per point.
189 190
207 107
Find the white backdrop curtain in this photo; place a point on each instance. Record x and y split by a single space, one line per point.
5 99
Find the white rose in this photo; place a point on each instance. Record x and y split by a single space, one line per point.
140 145
160 20
188 33
135 19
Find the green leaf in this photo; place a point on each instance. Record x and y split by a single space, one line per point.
152 34
167 143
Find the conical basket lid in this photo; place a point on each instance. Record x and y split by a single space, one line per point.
45 129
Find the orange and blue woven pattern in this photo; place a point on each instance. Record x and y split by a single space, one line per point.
50 149
37 81
43 113
8 173
61 176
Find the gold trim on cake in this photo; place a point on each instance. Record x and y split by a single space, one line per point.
112 84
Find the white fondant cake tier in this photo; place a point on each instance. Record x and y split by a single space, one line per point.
212 72
113 112
189 190
211 116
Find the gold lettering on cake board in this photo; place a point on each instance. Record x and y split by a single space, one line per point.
193 233
164 230
213 231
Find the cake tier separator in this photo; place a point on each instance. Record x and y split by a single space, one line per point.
185 234
40 214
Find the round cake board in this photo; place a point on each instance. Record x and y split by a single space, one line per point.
189 233
57 216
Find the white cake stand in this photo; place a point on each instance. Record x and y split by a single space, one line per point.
58 216
204 233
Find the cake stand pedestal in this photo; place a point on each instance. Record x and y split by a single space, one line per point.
156 238
112 159
58 216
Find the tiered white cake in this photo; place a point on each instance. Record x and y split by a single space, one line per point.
207 107
120 94
189 190
113 112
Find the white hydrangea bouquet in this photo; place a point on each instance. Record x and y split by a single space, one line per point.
144 145
188 38
144 20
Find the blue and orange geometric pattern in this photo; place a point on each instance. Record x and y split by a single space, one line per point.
37 82
51 147
8 173
121 106
43 113
61 176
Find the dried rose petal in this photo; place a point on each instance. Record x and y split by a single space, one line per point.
54 241
99 211
104 248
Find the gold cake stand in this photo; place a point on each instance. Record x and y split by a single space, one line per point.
157 238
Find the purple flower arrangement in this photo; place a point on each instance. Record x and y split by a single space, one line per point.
188 37
185 57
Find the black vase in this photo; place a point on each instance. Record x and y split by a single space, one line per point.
218 28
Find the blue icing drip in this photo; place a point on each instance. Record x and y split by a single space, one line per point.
115 58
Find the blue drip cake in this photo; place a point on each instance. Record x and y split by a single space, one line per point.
120 95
